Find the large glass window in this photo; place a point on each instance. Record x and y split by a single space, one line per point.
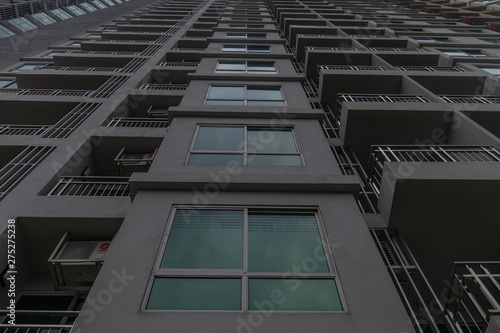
22 24
75 10
245 67
99 4
27 66
61 14
246 48
247 26
88 7
491 69
43 18
239 258
245 95
244 145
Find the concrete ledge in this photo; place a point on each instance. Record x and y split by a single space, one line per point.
245 112
254 183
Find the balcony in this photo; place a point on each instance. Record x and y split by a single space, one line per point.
352 68
476 288
93 186
471 99
137 122
430 69
437 193
169 87
22 129
424 154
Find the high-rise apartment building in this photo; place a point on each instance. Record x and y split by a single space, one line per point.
249 166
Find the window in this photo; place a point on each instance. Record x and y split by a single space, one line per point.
75 10
27 66
109 3
61 14
246 48
246 19
433 39
4 32
245 35
51 54
88 7
465 53
22 24
237 258
467 31
491 70
74 44
44 18
491 40
8 84
245 95
99 4
247 26
94 35
245 67
244 145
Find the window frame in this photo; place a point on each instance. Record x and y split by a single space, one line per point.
243 273
466 54
246 50
246 70
244 35
245 151
245 99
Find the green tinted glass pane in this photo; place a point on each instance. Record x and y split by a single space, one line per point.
219 138
234 48
195 294
283 160
224 102
260 36
235 35
264 93
261 66
229 72
491 70
227 92
4 83
265 103
293 295
205 239
231 65
277 242
258 48
271 140
39 302
216 159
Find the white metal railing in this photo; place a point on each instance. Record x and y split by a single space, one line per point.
22 129
471 99
104 52
382 98
430 69
321 48
20 166
163 86
45 92
178 64
424 154
476 288
138 122
46 315
77 69
92 186
394 49
353 68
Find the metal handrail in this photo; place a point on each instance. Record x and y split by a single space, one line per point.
93 186
470 99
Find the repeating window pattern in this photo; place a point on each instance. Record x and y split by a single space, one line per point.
246 19
244 145
245 35
236 258
245 67
61 14
22 24
246 48
44 18
27 66
51 54
433 39
245 95
99 4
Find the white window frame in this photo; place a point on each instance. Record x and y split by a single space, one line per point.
274 71
245 99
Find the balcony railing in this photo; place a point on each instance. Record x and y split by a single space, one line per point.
321 48
178 64
45 92
424 154
138 122
41 315
471 99
352 68
22 129
394 49
476 288
382 98
77 69
93 186
163 87
430 69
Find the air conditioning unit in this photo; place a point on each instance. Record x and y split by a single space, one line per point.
74 265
